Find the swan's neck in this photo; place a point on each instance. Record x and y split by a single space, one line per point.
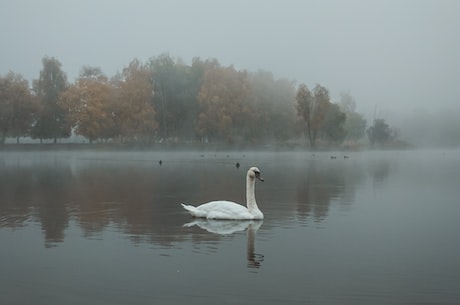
250 195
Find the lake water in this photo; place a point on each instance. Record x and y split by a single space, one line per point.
108 228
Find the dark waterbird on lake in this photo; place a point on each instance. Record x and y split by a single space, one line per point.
223 209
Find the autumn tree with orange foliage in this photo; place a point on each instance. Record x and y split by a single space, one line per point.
221 101
89 105
168 100
133 113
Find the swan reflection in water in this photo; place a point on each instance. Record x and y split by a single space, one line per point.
227 227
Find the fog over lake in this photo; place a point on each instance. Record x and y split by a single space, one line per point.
89 227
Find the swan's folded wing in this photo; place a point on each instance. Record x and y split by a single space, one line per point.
223 209
219 210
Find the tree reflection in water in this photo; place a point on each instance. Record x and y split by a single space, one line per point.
142 200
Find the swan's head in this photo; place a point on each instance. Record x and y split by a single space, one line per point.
254 172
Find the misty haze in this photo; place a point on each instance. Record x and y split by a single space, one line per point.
114 113
398 61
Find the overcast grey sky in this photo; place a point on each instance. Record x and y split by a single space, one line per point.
396 55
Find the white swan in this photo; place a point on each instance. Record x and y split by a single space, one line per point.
222 209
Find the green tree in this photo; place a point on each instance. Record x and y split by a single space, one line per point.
379 132
90 72
347 102
51 121
162 70
312 107
333 127
271 108
320 108
281 124
355 124
305 102
175 96
17 107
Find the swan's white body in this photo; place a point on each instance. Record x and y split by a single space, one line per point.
223 209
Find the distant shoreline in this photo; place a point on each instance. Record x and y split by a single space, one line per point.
147 147
191 147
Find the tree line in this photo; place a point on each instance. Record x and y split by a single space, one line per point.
164 99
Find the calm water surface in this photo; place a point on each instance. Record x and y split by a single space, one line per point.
107 228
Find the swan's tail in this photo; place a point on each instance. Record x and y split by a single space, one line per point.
187 207
193 210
